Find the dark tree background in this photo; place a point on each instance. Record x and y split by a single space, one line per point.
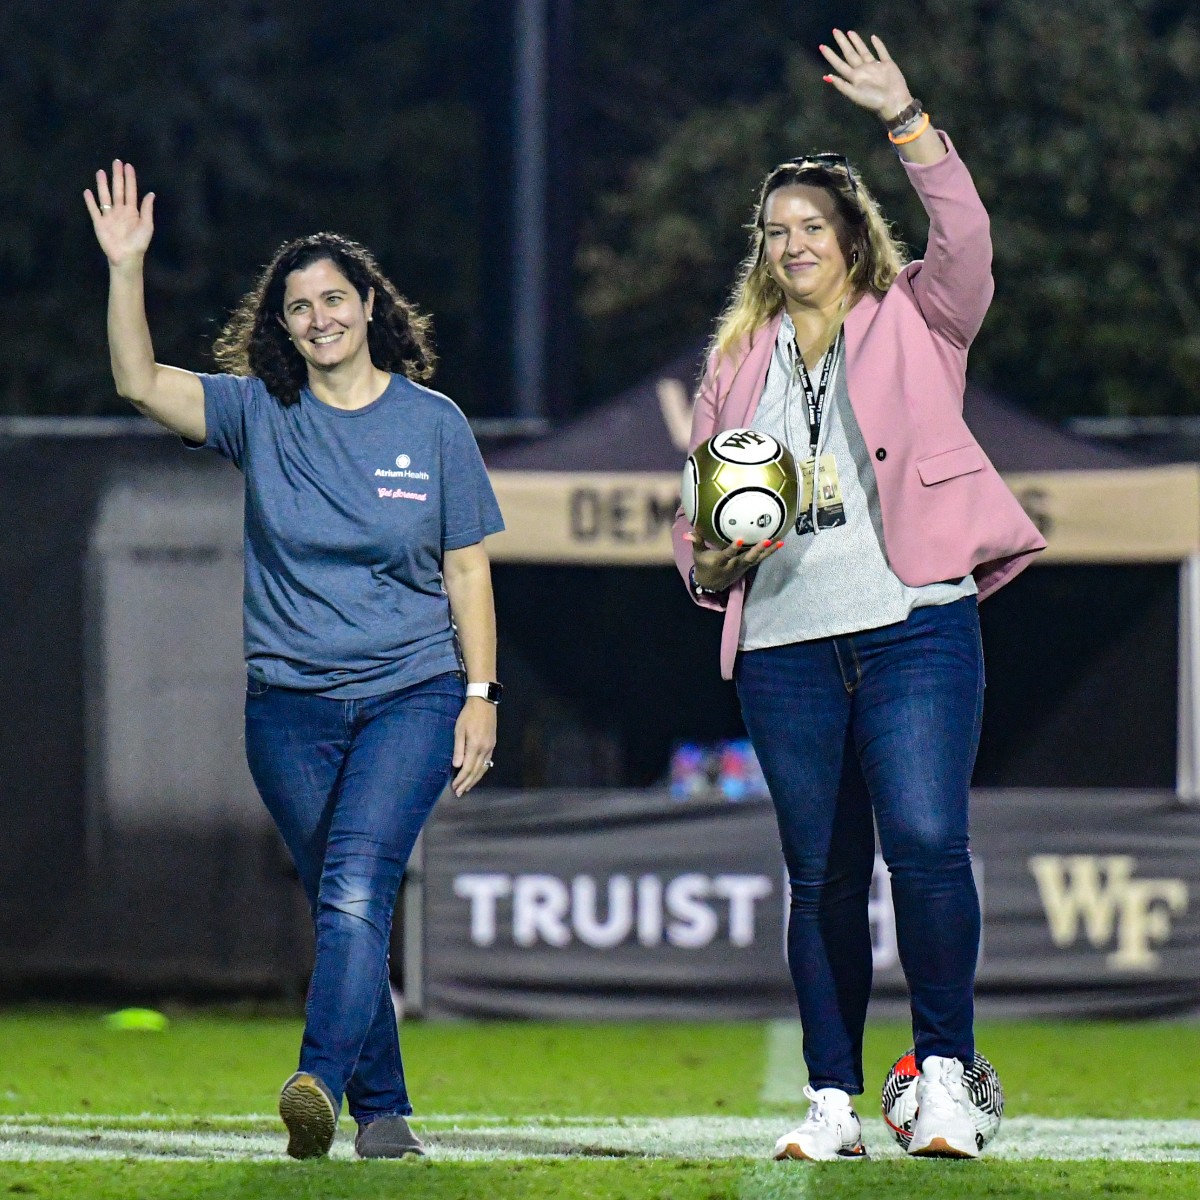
256 122
252 123
1080 125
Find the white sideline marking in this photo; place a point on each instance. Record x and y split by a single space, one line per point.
784 1072
469 1138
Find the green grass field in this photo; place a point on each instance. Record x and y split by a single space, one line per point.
678 1112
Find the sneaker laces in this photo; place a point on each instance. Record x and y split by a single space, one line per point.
823 1105
944 1091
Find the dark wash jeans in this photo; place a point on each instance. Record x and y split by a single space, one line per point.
349 784
887 719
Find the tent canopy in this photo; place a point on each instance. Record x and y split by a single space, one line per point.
639 430
605 487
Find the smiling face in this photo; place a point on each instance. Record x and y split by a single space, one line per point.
324 316
805 245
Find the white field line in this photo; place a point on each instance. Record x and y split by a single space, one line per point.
784 1075
466 1138
784 1072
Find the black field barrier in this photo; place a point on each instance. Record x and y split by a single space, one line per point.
595 905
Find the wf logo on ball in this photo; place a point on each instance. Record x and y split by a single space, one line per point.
739 484
741 439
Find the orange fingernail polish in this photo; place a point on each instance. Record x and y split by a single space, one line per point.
778 544
738 542
767 542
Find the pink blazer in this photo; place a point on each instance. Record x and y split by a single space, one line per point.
946 511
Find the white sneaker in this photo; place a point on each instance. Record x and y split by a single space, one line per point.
945 1127
830 1131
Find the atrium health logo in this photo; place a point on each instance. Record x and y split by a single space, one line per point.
401 470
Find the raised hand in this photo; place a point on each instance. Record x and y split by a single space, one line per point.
123 229
869 78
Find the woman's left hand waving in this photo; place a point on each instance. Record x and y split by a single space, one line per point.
869 78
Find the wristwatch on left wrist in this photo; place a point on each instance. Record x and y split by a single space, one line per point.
698 589
491 692
910 112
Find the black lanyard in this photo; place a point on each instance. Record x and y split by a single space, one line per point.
816 400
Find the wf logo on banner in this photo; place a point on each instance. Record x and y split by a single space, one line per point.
1100 894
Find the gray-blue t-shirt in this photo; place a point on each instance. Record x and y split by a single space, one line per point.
347 517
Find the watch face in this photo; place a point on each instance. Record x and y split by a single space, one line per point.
495 691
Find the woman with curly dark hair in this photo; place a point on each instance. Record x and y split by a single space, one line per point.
255 342
369 623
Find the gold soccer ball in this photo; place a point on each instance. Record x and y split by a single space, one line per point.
740 484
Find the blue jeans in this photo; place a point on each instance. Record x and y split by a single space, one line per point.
887 719
349 784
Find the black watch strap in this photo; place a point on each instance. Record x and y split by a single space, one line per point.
700 589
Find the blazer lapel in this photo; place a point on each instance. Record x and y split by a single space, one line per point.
745 390
855 326
750 374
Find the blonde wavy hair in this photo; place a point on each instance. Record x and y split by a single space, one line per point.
875 255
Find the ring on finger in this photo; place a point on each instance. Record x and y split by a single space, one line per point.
105 207
487 762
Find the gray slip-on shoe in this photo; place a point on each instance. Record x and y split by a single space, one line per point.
387 1137
307 1108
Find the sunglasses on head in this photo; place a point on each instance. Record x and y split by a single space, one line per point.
826 161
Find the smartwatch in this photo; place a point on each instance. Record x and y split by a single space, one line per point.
491 692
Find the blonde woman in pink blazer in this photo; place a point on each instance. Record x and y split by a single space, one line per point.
854 641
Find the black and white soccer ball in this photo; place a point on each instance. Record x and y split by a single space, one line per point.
985 1095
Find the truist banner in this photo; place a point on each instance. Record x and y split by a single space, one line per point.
595 904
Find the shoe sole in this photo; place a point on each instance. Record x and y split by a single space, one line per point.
796 1154
940 1148
388 1152
309 1117
386 1149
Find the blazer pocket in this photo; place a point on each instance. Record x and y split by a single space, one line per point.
935 468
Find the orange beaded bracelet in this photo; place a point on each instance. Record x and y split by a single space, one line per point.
911 137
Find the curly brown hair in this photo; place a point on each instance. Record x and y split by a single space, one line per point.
253 342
